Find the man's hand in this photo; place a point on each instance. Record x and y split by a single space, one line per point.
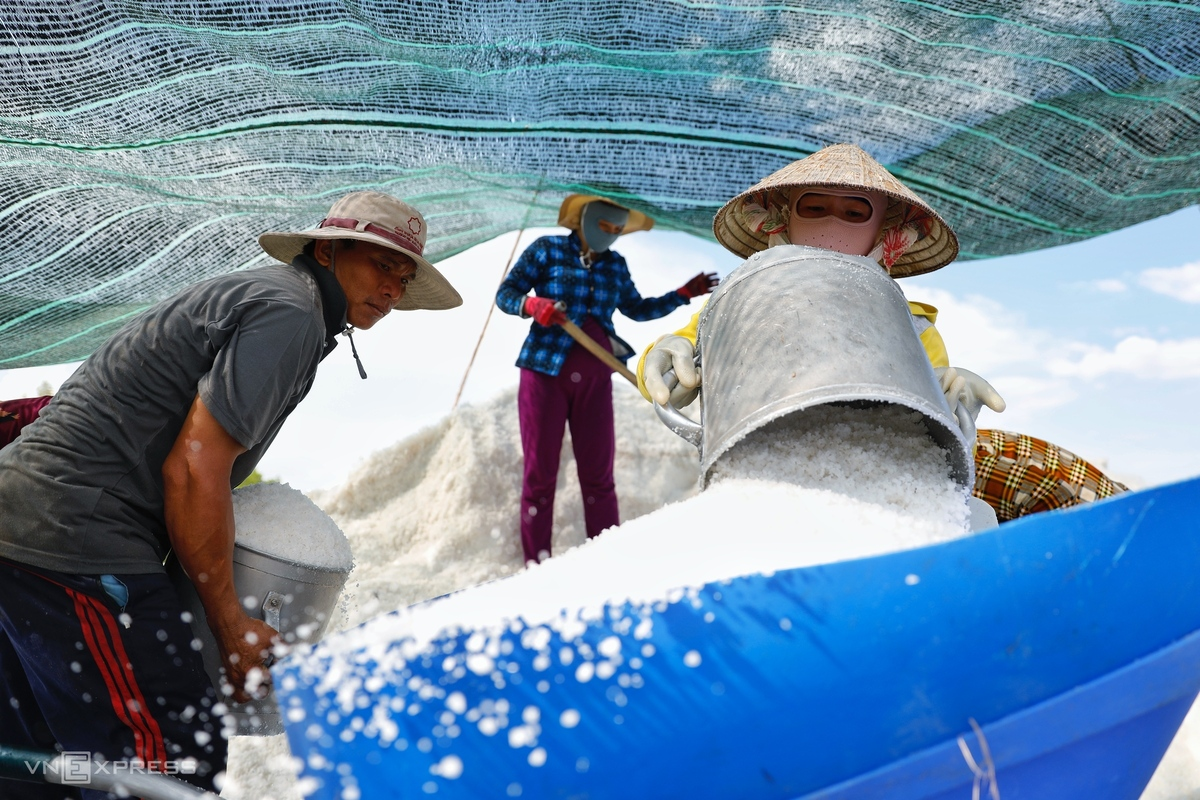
702 284
544 310
967 394
246 646
198 509
671 353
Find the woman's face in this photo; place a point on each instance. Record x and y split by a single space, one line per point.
847 221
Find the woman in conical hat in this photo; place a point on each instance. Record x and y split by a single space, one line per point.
853 205
580 278
841 199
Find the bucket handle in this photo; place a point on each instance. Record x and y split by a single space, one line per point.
687 429
271 608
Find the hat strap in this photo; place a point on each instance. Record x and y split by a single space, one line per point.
769 219
894 243
395 236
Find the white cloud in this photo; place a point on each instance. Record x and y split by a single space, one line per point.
1029 394
1110 285
982 334
1182 283
1134 355
1048 383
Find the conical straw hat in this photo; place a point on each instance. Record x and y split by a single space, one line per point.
840 166
572 208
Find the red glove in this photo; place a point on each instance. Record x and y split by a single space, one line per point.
701 284
545 311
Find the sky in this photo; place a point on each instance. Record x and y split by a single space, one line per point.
1095 346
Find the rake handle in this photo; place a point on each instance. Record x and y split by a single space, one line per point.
599 352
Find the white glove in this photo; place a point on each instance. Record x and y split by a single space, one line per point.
967 394
672 353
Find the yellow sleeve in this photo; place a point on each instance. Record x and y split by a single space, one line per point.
688 332
935 348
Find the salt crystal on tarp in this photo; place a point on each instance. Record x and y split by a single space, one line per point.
277 520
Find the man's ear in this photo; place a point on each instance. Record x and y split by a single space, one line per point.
323 252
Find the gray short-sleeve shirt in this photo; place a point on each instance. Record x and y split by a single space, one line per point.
82 489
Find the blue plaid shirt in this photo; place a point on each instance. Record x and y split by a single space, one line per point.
552 268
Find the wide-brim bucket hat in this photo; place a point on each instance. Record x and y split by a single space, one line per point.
379 219
571 210
841 166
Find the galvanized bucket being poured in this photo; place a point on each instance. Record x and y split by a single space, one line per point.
795 327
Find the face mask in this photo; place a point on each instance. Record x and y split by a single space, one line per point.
832 232
595 219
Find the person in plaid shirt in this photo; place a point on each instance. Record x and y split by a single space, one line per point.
575 277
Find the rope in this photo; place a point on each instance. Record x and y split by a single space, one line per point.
984 778
492 305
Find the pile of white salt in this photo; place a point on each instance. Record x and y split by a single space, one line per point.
831 484
276 520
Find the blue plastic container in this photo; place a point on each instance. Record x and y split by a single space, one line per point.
1069 636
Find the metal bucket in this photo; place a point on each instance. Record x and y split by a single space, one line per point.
295 599
795 327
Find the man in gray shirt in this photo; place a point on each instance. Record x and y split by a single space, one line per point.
136 456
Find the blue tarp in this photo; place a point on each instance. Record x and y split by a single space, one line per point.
780 686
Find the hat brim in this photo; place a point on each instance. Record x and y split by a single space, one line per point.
571 210
429 289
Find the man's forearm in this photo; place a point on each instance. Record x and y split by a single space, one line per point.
199 517
198 511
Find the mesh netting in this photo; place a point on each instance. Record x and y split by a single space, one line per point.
144 146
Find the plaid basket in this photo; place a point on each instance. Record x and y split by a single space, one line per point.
1017 475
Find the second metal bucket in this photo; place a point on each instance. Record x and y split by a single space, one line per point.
297 600
795 327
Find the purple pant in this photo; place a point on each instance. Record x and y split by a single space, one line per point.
581 396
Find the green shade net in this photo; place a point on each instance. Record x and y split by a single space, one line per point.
144 147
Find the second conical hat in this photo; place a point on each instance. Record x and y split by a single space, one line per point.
571 210
840 166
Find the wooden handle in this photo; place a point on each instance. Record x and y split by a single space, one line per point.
599 352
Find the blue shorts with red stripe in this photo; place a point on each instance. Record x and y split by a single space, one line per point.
107 668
